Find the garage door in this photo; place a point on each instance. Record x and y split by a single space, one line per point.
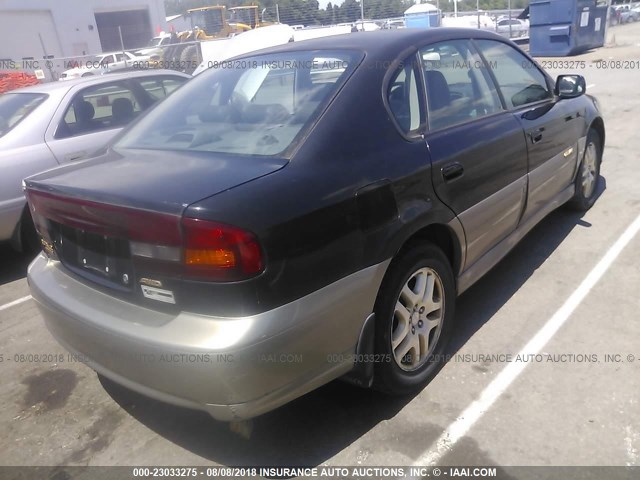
20 35
134 24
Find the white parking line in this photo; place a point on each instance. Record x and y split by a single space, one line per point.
497 387
15 302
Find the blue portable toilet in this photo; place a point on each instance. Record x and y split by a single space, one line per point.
423 15
560 28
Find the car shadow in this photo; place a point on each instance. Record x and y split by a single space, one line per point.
314 428
13 264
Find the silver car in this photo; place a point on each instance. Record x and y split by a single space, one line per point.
47 125
512 27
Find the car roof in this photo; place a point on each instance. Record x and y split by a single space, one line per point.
382 43
54 87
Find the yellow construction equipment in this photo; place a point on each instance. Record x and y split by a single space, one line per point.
208 23
247 16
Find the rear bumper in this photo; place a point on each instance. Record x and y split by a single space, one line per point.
233 368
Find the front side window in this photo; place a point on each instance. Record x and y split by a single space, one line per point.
458 85
107 60
99 108
15 107
519 79
252 106
404 99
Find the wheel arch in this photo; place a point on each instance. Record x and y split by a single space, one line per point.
442 236
597 124
17 239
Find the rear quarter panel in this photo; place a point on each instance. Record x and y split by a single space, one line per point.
328 213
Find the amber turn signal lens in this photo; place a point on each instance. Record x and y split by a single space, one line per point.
219 252
219 258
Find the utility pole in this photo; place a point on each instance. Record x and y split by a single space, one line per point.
124 55
362 12
509 7
478 11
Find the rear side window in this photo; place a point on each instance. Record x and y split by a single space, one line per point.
15 107
459 89
99 108
252 106
404 100
160 88
519 79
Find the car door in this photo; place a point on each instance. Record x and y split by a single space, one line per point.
477 148
552 126
107 61
86 120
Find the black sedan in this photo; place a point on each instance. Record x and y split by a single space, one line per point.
308 212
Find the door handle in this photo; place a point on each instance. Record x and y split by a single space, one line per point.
451 172
76 156
536 135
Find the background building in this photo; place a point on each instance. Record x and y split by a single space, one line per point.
68 28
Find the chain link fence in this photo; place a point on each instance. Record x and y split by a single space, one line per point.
186 56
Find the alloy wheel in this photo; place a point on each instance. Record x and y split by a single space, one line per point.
417 319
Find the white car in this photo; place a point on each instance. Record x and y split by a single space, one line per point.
155 45
103 63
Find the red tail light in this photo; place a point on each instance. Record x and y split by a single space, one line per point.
220 252
115 221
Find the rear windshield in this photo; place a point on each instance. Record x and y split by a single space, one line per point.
253 106
15 107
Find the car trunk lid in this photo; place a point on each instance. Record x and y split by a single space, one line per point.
118 220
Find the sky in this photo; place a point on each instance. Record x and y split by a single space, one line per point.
323 3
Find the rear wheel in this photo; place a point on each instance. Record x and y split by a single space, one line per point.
29 236
414 319
586 182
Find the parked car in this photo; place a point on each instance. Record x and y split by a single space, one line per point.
312 212
394 23
155 45
627 14
614 16
634 14
47 125
105 63
512 26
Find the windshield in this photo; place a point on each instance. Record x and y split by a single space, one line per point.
14 107
155 41
252 106
209 20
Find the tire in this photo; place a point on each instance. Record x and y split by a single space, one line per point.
29 236
401 372
88 74
189 58
588 175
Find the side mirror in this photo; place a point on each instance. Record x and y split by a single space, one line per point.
570 86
